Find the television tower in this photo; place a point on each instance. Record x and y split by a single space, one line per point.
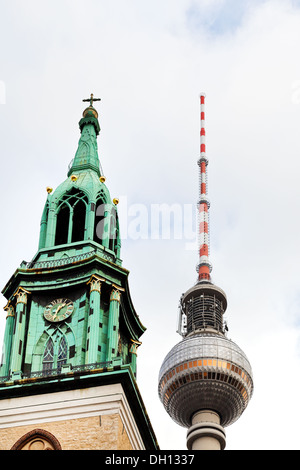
205 381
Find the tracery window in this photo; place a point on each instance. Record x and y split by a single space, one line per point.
37 439
48 358
55 354
62 353
71 218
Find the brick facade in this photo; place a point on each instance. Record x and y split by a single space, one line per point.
105 432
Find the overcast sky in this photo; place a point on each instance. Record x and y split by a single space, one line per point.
148 61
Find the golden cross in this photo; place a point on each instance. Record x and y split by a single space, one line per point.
92 99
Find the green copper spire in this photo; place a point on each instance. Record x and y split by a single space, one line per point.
80 216
87 152
78 265
71 324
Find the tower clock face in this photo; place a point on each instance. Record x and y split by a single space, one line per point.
58 310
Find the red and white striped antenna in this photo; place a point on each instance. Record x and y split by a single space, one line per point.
204 267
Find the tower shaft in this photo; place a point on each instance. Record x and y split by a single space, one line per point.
206 433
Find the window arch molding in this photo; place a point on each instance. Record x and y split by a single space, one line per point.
44 438
41 361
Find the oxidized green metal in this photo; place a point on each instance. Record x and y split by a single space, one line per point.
77 264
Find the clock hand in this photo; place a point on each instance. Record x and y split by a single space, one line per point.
58 309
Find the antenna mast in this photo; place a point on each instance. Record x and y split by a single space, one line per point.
204 267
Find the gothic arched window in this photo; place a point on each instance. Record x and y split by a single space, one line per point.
37 439
62 225
48 357
55 354
79 211
101 227
62 353
71 217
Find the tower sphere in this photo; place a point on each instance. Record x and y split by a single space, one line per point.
90 111
205 371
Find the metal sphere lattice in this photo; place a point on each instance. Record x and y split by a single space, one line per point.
205 371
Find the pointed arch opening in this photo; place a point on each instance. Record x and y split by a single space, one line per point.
62 225
71 217
37 439
48 357
79 215
99 222
55 354
62 353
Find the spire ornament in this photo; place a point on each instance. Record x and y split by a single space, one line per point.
91 99
90 115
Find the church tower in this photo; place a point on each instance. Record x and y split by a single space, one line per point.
68 369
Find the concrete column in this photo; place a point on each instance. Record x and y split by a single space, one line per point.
95 321
206 433
7 342
113 322
133 352
19 333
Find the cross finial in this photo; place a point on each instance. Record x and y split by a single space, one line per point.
92 99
